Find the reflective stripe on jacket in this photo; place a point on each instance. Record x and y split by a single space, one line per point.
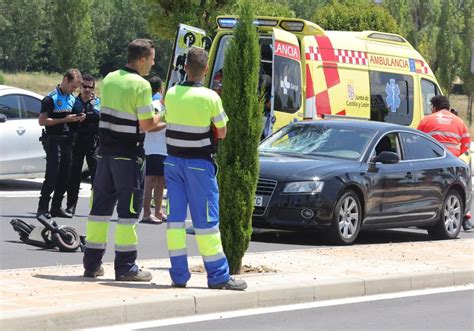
448 129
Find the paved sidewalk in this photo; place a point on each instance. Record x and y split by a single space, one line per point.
59 298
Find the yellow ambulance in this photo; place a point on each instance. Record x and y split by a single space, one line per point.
317 73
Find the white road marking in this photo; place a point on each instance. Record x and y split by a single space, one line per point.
268 310
31 188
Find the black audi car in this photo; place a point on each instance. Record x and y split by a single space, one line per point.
343 176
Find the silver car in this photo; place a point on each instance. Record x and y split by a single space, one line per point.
21 152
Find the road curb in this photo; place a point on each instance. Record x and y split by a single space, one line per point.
182 304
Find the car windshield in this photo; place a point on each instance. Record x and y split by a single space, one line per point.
319 139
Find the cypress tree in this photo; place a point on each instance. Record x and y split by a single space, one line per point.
238 156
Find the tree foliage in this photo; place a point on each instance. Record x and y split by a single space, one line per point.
238 156
355 15
418 22
72 35
167 14
23 35
467 47
449 43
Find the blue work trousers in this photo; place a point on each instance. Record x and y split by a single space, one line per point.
193 182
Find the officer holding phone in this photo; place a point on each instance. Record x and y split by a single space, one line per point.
86 139
57 117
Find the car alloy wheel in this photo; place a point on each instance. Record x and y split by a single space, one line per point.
450 220
452 215
347 219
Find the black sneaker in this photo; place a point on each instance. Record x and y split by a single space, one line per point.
71 210
43 213
94 274
140 276
231 284
60 212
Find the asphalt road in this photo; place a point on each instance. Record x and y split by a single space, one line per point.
441 311
18 199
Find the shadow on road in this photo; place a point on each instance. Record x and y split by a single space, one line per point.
20 185
319 238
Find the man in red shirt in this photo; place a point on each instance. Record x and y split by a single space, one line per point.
448 129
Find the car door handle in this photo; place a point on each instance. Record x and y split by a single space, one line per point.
409 175
20 131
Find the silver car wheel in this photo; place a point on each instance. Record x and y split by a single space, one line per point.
348 217
452 214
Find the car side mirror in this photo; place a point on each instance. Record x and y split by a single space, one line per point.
386 158
3 118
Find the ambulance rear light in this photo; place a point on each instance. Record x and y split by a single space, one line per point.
294 26
386 37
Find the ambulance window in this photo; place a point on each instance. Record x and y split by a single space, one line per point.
391 98
216 81
428 90
287 85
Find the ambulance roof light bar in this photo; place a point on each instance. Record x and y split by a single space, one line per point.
231 22
386 37
294 26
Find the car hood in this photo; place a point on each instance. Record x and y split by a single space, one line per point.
287 168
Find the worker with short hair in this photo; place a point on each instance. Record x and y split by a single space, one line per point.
126 112
190 173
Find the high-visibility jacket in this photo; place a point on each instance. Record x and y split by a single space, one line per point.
448 129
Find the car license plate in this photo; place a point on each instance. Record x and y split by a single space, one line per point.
258 201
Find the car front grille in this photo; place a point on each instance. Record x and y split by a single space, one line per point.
265 188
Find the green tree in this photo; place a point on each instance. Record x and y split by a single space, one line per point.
305 9
238 156
449 44
165 15
418 21
72 35
126 20
261 8
355 15
467 52
24 32
401 11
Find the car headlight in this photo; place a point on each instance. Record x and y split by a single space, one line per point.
313 186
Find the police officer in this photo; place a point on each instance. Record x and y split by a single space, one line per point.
190 175
126 112
86 139
56 115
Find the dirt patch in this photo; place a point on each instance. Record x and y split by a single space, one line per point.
246 269
260 269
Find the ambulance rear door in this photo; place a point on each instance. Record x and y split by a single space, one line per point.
287 83
186 37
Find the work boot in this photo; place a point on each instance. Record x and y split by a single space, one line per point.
60 212
231 284
467 224
140 276
94 274
178 285
71 210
